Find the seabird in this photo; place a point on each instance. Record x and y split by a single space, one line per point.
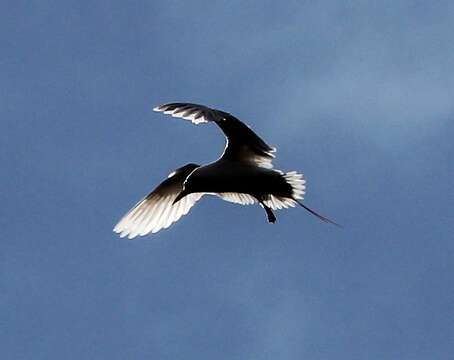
243 175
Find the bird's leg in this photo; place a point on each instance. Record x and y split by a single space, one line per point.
269 213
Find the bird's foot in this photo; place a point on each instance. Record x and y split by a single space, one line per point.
270 215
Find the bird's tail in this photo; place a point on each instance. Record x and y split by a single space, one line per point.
321 217
297 182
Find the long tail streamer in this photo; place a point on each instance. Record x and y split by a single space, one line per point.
321 217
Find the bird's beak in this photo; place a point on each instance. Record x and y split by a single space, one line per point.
180 196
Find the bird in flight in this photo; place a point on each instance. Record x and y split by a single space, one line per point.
243 175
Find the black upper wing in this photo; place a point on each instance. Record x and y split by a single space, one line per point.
242 143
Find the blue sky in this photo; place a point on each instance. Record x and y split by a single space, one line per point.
356 95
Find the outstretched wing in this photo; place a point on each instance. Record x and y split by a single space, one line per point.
242 143
237 198
157 211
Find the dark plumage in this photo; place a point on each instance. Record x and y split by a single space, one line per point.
244 174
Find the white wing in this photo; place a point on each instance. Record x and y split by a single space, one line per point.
153 214
242 143
237 198
197 114
278 203
157 211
